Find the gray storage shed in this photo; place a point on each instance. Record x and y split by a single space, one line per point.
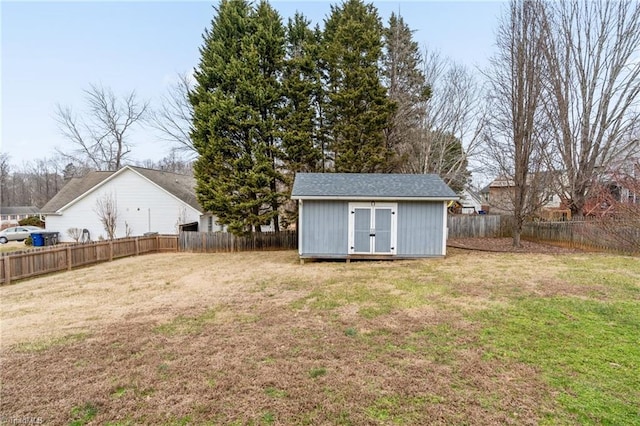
371 215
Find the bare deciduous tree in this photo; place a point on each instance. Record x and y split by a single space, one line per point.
513 136
592 51
107 211
33 183
75 234
100 138
171 163
5 170
451 129
174 118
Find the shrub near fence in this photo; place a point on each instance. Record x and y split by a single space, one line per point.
39 261
214 242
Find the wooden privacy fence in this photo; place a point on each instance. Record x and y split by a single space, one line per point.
589 235
479 226
214 242
39 261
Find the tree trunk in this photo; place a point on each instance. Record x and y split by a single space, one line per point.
516 237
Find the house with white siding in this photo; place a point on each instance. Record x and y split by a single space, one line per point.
371 216
13 214
145 201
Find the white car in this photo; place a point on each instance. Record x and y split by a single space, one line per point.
18 233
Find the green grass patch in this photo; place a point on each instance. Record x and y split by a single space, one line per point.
393 409
45 344
119 392
268 418
586 349
372 299
317 372
184 325
83 415
620 275
275 392
351 332
181 421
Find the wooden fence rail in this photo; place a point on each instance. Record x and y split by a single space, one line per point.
39 261
589 235
44 260
479 226
215 242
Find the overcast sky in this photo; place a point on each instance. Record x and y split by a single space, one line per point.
51 51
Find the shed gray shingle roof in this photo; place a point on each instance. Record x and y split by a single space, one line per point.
370 185
180 186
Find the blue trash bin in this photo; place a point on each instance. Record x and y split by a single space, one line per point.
37 239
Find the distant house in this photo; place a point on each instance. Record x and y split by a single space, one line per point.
619 184
470 202
146 201
17 213
497 198
359 216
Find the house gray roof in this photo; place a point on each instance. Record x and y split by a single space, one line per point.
19 210
181 186
370 186
73 189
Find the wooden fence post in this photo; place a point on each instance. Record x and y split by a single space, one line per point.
110 250
69 262
7 270
137 247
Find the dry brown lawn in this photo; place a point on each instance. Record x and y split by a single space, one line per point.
257 338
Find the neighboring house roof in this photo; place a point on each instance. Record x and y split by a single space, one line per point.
180 186
74 189
501 182
377 186
19 210
470 196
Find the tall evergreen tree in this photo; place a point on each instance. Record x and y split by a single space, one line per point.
301 132
407 88
358 110
235 100
302 86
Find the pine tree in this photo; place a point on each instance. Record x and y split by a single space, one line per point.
301 133
358 110
406 86
235 101
302 90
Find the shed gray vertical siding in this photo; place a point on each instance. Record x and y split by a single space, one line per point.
420 228
325 228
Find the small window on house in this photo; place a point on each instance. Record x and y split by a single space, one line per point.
14 217
210 224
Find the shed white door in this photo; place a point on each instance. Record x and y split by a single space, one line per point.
372 228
